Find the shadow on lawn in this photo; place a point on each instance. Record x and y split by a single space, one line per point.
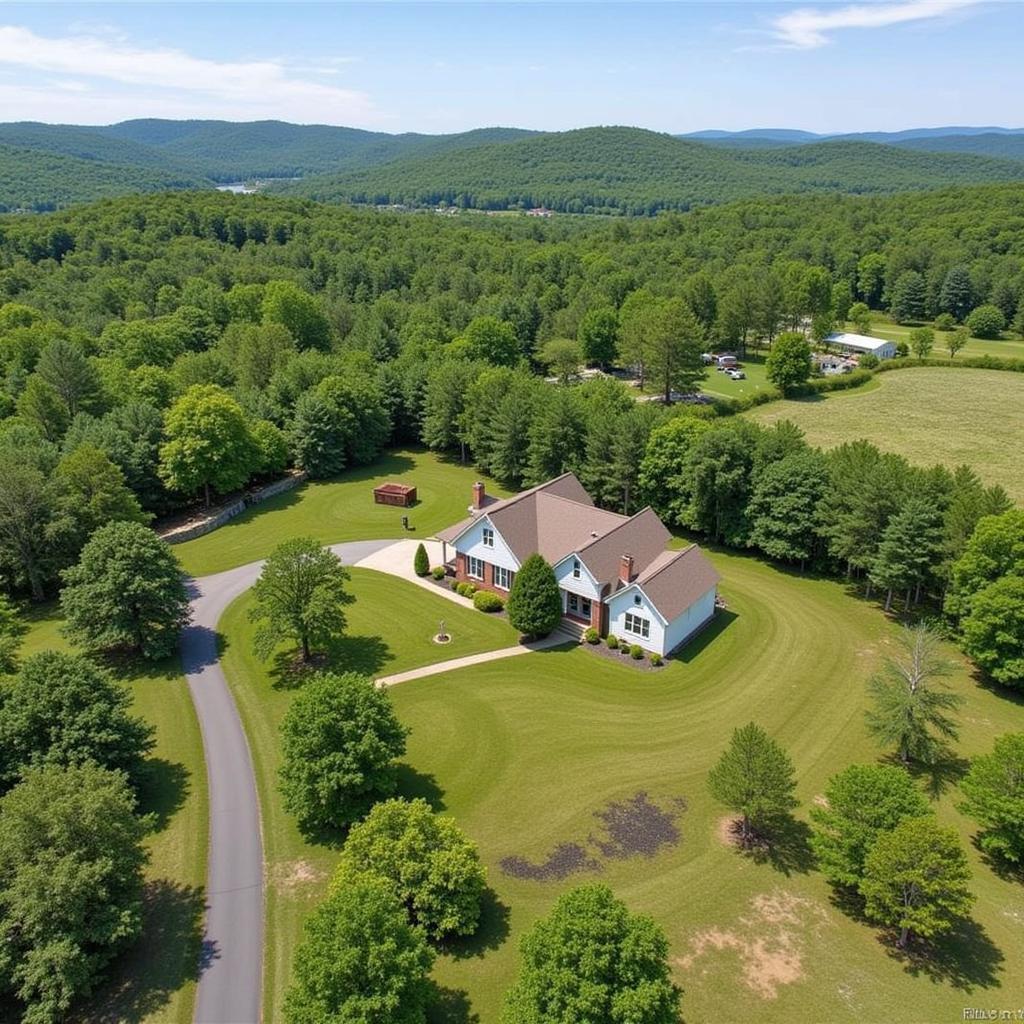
164 958
413 785
366 655
966 958
946 770
723 619
163 790
787 849
450 1006
491 933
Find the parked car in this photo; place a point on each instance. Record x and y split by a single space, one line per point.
736 374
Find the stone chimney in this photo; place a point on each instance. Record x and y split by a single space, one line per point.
478 495
626 568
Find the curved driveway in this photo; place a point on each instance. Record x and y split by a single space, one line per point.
231 982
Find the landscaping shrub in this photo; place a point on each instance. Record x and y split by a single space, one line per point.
657 659
420 562
485 601
437 572
612 642
986 322
636 652
868 361
902 348
465 589
535 602
591 635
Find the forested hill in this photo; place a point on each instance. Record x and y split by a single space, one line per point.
606 169
642 172
36 180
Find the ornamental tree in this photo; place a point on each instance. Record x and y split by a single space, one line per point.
994 797
127 592
61 709
360 961
993 632
421 561
754 778
789 361
862 802
209 444
915 879
339 741
300 596
534 602
71 860
591 961
433 866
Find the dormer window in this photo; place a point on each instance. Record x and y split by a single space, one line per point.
576 569
488 537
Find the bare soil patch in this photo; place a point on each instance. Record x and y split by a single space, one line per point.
293 875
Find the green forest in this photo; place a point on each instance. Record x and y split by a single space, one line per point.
590 170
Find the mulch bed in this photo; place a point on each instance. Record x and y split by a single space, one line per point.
603 650
630 828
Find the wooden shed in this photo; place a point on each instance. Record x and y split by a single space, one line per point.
395 494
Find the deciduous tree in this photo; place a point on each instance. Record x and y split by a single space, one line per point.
789 362
127 592
916 879
339 741
994 797
591 961
993 630
300 596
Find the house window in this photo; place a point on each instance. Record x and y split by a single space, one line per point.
475 567
488 537
575 568
638 625
502 578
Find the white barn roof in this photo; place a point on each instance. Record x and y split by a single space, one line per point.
860 342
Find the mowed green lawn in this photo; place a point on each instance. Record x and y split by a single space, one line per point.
525 752
718 383
155 981
339 510
1010 346
929 415
390 628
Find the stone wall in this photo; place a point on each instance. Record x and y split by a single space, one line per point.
201 524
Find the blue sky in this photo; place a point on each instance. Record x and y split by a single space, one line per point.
876 64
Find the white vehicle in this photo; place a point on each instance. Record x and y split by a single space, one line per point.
736 375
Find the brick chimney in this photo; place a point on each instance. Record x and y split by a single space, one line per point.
478 495
626 568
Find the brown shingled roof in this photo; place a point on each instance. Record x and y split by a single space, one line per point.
642 536
675 579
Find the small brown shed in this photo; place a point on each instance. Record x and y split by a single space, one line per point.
394 494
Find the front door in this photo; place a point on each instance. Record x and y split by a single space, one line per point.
579 607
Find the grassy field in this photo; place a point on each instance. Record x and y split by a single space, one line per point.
525 753
155 981
1010 346
928 414
340 510
390 626
719 385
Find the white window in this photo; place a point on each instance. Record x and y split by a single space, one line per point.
638 626
475 567
488 537
502 578
575 568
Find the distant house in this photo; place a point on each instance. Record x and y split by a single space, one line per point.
614 571
861 344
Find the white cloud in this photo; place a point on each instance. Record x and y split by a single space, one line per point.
144 80
809 28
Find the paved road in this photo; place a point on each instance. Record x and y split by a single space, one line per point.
231 982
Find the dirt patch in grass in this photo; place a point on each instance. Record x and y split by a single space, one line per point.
294 875
770 941
629 828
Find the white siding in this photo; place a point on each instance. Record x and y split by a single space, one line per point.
692 619
664 638
623 602
585 586
472 543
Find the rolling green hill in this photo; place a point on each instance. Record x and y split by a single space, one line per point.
637 171
36 179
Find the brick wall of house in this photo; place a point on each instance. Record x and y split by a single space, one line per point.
487 583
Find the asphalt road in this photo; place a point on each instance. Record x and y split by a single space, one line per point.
231 979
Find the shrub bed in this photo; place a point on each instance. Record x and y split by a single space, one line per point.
485 601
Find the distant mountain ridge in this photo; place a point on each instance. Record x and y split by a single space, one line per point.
602 168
